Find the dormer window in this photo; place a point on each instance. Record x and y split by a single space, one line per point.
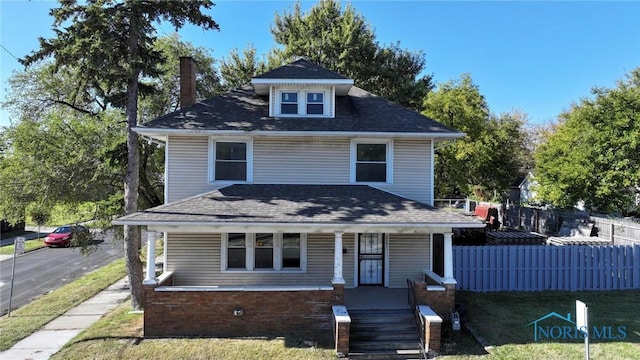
289 103
311 102
315 103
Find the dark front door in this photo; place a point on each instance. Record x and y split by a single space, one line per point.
371 259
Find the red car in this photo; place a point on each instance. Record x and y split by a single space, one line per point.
62 236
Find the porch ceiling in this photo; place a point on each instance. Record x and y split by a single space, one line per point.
321 208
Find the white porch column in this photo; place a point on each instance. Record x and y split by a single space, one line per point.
337 260
150 279
448 258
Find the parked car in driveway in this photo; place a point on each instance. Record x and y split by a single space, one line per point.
63 235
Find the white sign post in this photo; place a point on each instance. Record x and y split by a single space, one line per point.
582 324
18 248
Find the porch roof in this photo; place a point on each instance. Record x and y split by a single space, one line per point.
330 207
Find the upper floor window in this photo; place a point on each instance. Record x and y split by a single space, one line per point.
371 161
289 103
231 160
315 103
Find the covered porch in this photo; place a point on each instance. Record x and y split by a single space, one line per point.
199 294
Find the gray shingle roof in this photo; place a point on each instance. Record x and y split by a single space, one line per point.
243 110
297 204
301 69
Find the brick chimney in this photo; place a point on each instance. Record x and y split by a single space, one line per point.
187 81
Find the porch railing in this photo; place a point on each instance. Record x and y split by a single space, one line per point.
417 318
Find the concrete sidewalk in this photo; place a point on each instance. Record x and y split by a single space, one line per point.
53 336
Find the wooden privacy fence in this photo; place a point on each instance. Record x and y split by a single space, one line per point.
540 267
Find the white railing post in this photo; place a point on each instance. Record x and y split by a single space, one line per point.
151 259
337 259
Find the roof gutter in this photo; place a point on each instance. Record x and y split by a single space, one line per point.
330 226
156 132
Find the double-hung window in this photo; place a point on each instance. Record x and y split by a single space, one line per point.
263 252
290 251
302 103
230 160
289 103
371 161
236 251
315 103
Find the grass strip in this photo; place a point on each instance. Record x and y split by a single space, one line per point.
29 245
31 317
119 335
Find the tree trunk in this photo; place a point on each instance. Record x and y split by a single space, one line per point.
132 233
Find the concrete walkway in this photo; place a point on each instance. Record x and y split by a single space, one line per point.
53 336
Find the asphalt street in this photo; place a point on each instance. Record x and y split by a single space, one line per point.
41 271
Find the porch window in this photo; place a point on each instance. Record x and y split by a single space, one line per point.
237 251
291 251
371 161
264 251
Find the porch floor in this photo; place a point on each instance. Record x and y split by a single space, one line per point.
370 297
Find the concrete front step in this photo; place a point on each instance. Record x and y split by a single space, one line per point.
386 355
383 334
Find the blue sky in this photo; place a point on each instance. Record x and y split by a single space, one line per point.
538 57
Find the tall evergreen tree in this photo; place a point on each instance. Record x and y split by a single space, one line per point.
342 40
111 43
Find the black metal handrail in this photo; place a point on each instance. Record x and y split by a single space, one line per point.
412 300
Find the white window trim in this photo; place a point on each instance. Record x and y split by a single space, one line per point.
353 156
250 241
302 102
212 159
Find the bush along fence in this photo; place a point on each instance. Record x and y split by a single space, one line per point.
541 268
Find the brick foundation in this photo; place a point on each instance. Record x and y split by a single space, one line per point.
441 301
265 313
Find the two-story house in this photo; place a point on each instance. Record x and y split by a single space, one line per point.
282 194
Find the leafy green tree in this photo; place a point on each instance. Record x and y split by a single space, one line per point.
110 42
340 40
238 70
593 154
166 95
489 157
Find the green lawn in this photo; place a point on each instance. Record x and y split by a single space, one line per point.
119 335
29 245
37 313
502 318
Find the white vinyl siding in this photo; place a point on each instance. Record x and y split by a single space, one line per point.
408 257
297 161
195 261
412 162
187 167
301 161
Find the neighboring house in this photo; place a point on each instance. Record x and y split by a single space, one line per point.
281 194
527 192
